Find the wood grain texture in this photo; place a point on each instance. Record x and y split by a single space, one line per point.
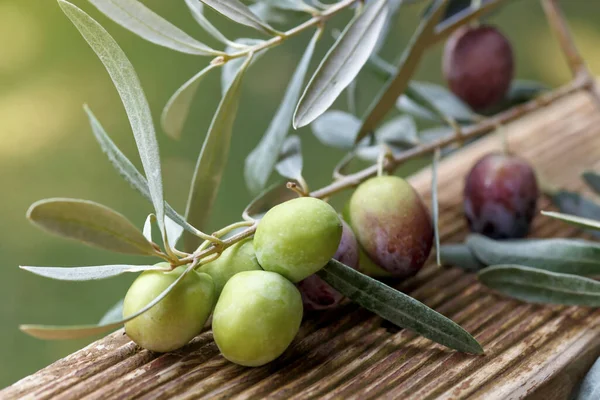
532 351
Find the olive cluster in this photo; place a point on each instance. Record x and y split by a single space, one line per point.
258 289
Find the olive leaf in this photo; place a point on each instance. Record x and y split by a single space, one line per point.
433 102
342 63
130 173
290 159
57 332
571 256
177 109
435 207
213 159
399 131
574 220
393 8
139 19
461 256
132 95
238 12
173 229
539 286
592 179
590 387
91 273
409 62
114 314
577 205
268 13
293 5
197 9
232 67
90 223
260 162
270 197
336 129
398 307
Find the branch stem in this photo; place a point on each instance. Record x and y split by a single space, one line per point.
315 21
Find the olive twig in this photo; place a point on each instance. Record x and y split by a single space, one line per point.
579 69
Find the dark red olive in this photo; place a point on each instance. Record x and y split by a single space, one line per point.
500 196
478 65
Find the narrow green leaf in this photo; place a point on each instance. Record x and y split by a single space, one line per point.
129 172
410 60
114 314
267 13
433 102
574 220
174 231
398 307
593 180
197 9
147 230
290 159
576 204
399 131
435 204
90 273
459 255
336 129
90 223
571 256
342 63
292 5
590 387
538 286
177 109
213 159
237 11
128 85
270 197
139 19
260 162
232 67
56 332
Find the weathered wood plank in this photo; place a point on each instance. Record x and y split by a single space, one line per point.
533 351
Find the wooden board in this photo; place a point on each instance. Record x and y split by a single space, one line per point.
531 351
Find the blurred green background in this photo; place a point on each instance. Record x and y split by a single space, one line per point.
47 150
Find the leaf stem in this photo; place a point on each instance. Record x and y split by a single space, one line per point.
317 20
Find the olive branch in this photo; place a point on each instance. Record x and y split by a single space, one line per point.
354 49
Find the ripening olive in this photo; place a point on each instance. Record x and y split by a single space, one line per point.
237 258
500 196
318 294
297 238
257 317
478 65
177 318
392 225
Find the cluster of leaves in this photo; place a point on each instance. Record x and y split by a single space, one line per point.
551 271
364 137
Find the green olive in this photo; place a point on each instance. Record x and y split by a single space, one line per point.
177 318
237 258
256 318
298 237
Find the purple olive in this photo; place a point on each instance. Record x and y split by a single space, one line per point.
500 197
318 294
478 65
392 225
